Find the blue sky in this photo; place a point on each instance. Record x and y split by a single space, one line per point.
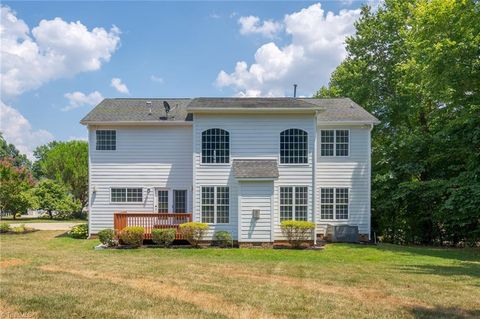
56 65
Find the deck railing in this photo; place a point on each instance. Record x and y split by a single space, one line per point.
151 221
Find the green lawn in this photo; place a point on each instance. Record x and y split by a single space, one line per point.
58 277
28 220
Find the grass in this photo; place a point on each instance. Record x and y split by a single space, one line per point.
45 275
28 220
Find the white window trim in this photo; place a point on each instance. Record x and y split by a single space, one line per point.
227 164
334 204
106 151
335 142
215 205
280 146
294 215
125 187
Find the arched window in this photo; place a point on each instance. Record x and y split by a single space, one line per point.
215 146
294 146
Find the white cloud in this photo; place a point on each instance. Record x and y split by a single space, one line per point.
78 99
119 86
158 79
18 131
77 138
53 49
317 46
252 25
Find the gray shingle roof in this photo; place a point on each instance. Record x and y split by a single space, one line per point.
138 110
247 102
249 168
340 109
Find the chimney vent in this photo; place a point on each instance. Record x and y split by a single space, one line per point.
294 90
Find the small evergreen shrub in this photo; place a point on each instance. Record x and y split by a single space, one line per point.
132 235
223 238
107 237
296 231
164 237
79 231
18 215
193 232
4 228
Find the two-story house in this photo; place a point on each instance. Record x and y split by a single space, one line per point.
239 164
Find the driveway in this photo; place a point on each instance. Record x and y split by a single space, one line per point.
48 226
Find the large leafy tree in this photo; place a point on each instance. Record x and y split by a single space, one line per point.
10 151
54 197
66 163
15 185
416 66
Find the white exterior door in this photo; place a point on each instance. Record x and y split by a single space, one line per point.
256 211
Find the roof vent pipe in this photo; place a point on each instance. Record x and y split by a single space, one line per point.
294 90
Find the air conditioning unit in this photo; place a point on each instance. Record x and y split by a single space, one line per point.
342 233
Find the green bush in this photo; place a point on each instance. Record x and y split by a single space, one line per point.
79 231
297 231
132 235
18 215
223 238
193 232
164 237
4 228
107 237
19 229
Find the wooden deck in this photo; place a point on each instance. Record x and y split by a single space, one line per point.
151 221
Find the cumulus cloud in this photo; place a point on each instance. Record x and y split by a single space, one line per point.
17 130
119 85
77 99
53 49
253 25
317 46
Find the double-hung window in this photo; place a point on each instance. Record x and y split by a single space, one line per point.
215 204
294 146
334 142
334 203
215 146
293 203
106 140
126 194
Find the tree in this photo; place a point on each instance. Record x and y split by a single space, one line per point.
54 197
40 154
15 184
11 152
66 163
416 66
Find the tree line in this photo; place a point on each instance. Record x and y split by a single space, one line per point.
56 182
416 66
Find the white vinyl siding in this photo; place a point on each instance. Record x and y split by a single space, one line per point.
146 157
352 172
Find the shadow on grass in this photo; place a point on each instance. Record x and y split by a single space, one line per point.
461 254
463 269
443 312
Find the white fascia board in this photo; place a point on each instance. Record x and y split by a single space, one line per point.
137 123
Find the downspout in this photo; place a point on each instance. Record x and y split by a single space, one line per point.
370 182
314 181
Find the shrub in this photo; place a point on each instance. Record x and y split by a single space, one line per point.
19 229
132 235
18 215
297 231
4 228
164 237
193 232
107 237
223 238
79 231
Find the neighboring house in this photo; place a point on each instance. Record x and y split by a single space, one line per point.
239 164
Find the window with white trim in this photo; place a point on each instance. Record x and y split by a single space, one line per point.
294 146
215 146
106 140
293 203
162 201
179 201
334 142
334 203
215 204
126 195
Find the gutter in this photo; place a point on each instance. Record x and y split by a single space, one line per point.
138 123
